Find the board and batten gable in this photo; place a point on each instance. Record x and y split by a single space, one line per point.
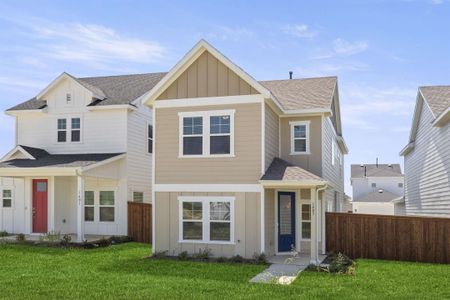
243 168
427 169
207 77
272 140
102 131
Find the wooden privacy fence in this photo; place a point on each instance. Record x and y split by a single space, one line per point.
419 239
140 222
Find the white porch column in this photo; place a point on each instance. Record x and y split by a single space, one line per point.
80 209
314 229
324 237
263 224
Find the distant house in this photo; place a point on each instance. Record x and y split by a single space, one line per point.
427 155
347 204
377 189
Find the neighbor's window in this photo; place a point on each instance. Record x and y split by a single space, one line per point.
206 219
89 208
7 198
306 221
150 139
107 199
76 129
374 185
400 185
62 130
300 137
219 135
138 197
192 136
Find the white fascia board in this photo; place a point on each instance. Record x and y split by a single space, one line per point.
15 113
306 112
13 151
407 149
342 144
207 101
443 118
103 162
249 188
285 183
24 172
111 107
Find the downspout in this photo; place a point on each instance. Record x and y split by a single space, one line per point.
322 226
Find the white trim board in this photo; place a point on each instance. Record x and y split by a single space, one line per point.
242 188
206 101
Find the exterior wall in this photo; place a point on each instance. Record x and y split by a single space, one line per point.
427 169
363 186
11 219
245 167
334 174
373 208
207 77
65 205
247 225
271 135
139 161
310 162
269 221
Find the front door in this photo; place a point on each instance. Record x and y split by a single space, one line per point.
40 199
286 221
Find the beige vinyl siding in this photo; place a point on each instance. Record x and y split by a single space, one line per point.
139 161
311 162
272 133
269 221
207 77
427 169
245 167
247 225
334 174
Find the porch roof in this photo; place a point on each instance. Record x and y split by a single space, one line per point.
281 172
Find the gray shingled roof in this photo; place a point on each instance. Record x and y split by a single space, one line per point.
384 196
35 152
374 170
437 97
282 170
59 161
307 93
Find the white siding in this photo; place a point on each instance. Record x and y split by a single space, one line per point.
334 174
427 169
272 135
11 219
139 161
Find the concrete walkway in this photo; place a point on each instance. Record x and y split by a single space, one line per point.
284 269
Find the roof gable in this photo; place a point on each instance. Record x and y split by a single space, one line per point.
376 170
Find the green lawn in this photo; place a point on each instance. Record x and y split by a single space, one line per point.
121 272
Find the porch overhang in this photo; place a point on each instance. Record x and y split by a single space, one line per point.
292 183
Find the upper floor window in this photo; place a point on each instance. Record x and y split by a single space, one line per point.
76 130
150 138
374 185
208 133
300 137
63 129
68 98
400 185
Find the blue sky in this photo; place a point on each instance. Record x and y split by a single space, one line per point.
380 50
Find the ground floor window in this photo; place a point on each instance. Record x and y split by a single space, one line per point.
99 206
7 198
306 221
138 197
206 219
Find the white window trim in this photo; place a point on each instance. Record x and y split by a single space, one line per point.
206 136
205 218
306 124
68 129
97 204
12 197
305 202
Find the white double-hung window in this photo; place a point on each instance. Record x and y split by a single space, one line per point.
206 134
300 137
206 219
63 130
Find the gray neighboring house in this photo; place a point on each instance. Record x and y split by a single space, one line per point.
427 154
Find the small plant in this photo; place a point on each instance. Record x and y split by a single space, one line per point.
183 255
104 242
3 233
222 259
115 239
51 236
203 254
341 264
237 259
66 239
160 254
260 258
20 237
294 255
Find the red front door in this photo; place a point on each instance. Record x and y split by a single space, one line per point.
40 197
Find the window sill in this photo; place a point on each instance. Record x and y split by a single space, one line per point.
208 156
300 153
206 242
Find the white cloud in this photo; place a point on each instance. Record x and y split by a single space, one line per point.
299 30
437 2
327 69
225 33
344 47
20 84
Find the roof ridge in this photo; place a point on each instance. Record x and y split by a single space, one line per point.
109 76
296 79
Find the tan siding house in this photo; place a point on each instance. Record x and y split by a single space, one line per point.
239 164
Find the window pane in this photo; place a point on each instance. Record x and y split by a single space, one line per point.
107 198
192 125
220 231
41 186
150 131
89 214
106 214
7 203
220 144
300 145
138 197
192 145
285 214
88 198
76 123
306 230
220 211
150 146
62 124
220 124
75 136
300 131
7 193
192 210
192 230
61 136
306 212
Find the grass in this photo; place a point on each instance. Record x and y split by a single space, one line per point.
120 272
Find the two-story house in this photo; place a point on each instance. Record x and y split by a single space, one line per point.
377 189
83 149
243 166
427 154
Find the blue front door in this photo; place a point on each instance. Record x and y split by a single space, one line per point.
286 221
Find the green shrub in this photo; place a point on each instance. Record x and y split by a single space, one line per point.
3 233
237 259
20 237
160 254
203 254
260 258
183 255
104 242
115 239
66 239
